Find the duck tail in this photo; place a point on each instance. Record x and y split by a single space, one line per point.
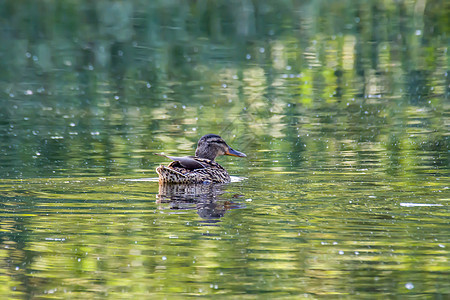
170 175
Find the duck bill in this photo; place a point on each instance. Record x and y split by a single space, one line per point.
233 152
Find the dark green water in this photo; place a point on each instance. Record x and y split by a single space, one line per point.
341 106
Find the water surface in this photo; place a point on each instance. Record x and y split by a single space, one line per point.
341 107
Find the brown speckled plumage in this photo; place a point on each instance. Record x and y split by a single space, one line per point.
201 168
176 173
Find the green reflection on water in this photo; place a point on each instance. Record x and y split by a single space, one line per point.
341 106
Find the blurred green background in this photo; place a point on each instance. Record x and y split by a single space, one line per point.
341 106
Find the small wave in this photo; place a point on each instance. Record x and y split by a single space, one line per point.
406 204
152 179
237 178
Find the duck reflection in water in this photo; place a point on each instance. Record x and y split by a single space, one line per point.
206 198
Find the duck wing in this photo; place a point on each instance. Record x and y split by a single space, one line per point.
187 162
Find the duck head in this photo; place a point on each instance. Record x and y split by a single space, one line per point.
211 145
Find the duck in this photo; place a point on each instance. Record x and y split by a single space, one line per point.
201 168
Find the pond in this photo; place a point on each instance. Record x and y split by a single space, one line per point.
341 107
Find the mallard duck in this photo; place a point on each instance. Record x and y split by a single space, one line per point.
199 168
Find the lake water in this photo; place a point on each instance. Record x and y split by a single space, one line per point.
342 108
